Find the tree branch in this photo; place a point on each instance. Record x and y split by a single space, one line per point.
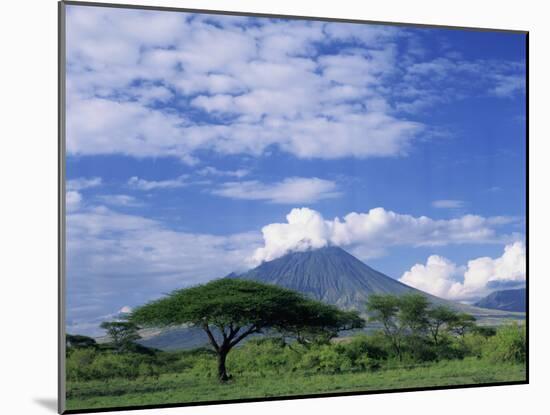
211 337
250 330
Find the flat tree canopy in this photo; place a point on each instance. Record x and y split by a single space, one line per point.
236 308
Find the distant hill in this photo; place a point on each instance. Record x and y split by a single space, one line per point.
507 300
329 274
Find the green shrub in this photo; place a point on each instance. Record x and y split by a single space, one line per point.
110 365
326 359
78 364
374 346
474 344
419 349
508 345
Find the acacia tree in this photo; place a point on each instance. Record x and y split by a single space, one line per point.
439 318
413 313
229 310
384 309
123 334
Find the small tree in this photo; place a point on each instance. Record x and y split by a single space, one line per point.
123 334
229 310
462 323
384 309
413 313
439 318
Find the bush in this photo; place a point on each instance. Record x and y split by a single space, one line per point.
110 365
375 346
326 359
508 345
474 344
91 364
78 364
419 349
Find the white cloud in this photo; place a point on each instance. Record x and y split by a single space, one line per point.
448 204
101 126
441 277
372 232
142 184
265 83
83 183
120 200
73 200
437 277
212 171
261 79
508 85
290 190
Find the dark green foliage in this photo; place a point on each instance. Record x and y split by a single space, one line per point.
371 345
484 331
77 341
229 310
123 334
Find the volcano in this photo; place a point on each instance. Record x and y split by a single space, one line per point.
329 274
334 276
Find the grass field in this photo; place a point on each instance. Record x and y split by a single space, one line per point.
186 387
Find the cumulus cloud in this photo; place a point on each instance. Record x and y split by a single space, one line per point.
448 204
143 184
83 183
442 277
373 232
263 84
436 277
288 191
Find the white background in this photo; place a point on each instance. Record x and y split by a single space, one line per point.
28 188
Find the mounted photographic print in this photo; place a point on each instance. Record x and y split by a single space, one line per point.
258 207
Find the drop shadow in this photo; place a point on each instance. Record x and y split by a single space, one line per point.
48 403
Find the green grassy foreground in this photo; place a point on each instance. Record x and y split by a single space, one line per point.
188 387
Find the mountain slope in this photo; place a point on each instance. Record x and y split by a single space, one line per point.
507 300
334 276
328 274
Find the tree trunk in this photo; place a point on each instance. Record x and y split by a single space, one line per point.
222 371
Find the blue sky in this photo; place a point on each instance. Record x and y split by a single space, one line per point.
207 144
